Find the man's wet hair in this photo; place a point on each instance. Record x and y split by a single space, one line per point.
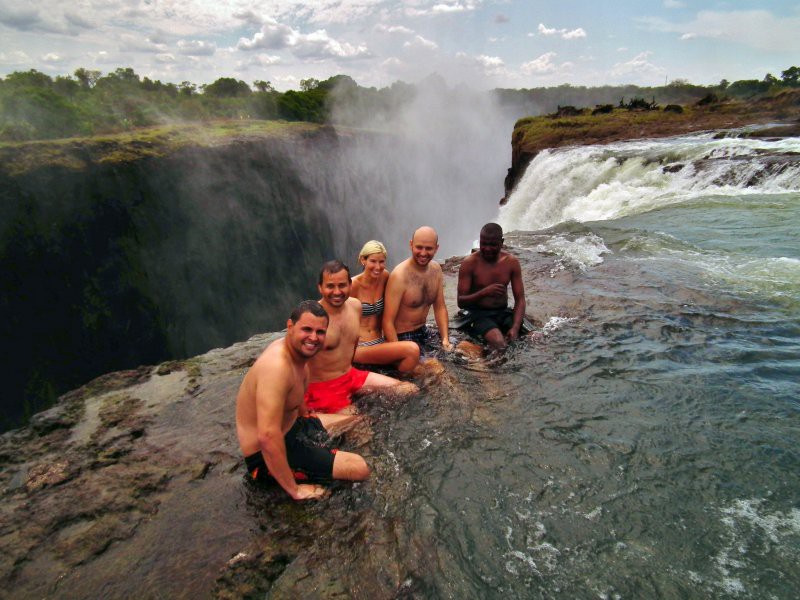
492 230
332 267
308 306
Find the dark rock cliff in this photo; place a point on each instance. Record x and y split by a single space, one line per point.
113 262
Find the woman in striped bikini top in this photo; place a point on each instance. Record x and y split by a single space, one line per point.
368 310
369 288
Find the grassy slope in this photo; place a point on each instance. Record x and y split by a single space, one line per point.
533 134
17 158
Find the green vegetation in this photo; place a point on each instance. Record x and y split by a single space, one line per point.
35 106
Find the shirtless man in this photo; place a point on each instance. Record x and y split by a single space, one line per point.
414 286
277 435
483 280
333 377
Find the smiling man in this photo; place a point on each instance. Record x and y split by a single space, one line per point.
483 280
277 436
333 378
414 286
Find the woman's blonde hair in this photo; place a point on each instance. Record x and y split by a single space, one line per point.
372 247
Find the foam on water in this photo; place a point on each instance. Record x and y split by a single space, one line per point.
582 252
751 529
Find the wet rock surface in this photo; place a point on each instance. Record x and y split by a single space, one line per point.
133 485
114 491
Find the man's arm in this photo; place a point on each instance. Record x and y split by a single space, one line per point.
391 304
464 284
518 290
272 389
440 314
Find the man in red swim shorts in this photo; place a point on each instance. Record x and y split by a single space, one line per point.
333 377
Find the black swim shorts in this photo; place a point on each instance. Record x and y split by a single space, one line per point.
485 320
307 451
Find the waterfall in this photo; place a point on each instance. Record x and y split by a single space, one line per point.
598 183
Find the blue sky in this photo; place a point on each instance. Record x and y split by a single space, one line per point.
481 43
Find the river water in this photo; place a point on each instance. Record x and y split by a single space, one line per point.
645 443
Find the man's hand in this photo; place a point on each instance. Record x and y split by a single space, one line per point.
447 345
494 289
512 334
309 492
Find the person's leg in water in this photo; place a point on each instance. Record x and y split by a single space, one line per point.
403 355
346 465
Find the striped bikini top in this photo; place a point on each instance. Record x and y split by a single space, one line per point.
368 309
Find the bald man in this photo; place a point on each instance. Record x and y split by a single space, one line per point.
414 286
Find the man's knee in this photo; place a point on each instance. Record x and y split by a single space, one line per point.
350 467
495 338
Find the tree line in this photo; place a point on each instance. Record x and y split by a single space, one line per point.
34 105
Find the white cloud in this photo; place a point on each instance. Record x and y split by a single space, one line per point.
249 17
563 33
574 34
421 42
15 57
758 29
134 43
545 31
423 8
315 45
448 8
165 58
639 66
491 65
266 60
196 47
272 36
674 4
394 29
540 66
52 57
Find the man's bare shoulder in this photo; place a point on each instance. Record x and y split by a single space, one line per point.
469 262
400 270
510 259
398 274
272 359
353 304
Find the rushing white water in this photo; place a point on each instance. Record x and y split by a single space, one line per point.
598 183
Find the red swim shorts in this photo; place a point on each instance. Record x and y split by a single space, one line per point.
333 395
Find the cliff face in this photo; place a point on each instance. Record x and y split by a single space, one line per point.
533 134
116 254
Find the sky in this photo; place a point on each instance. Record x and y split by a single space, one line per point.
479 43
